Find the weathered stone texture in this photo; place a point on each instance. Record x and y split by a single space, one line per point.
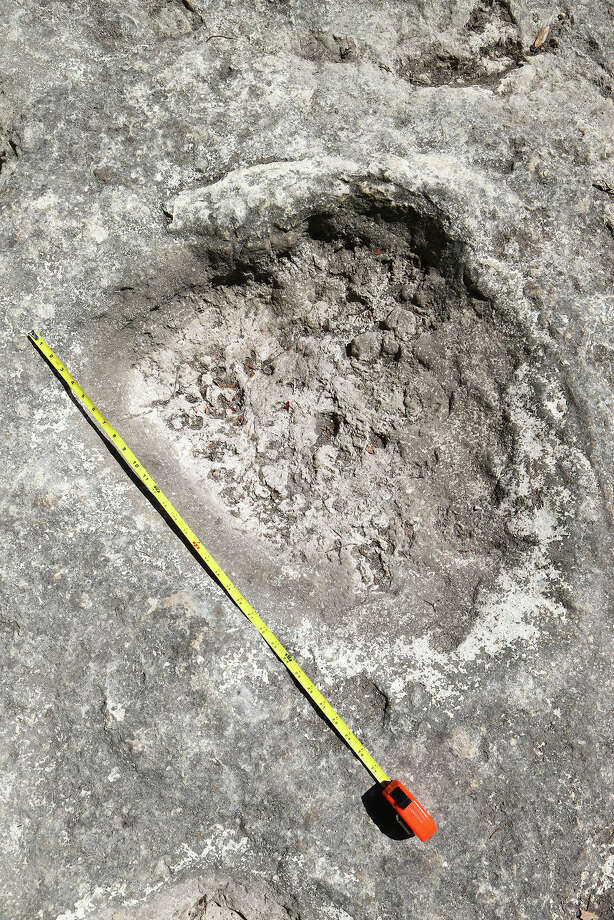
340 273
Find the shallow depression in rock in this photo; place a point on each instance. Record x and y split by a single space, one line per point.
345 398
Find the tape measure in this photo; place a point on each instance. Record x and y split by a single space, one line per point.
408 810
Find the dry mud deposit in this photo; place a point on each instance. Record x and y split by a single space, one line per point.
341 275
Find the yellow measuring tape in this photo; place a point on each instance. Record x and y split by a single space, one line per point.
160 499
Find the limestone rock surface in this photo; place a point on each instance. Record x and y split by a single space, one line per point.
341 275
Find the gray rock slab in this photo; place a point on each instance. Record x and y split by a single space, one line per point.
341 275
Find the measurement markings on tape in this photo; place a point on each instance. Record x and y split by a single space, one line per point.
408 810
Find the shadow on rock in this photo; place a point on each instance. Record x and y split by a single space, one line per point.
382 814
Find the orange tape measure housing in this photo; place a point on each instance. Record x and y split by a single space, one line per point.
408 809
